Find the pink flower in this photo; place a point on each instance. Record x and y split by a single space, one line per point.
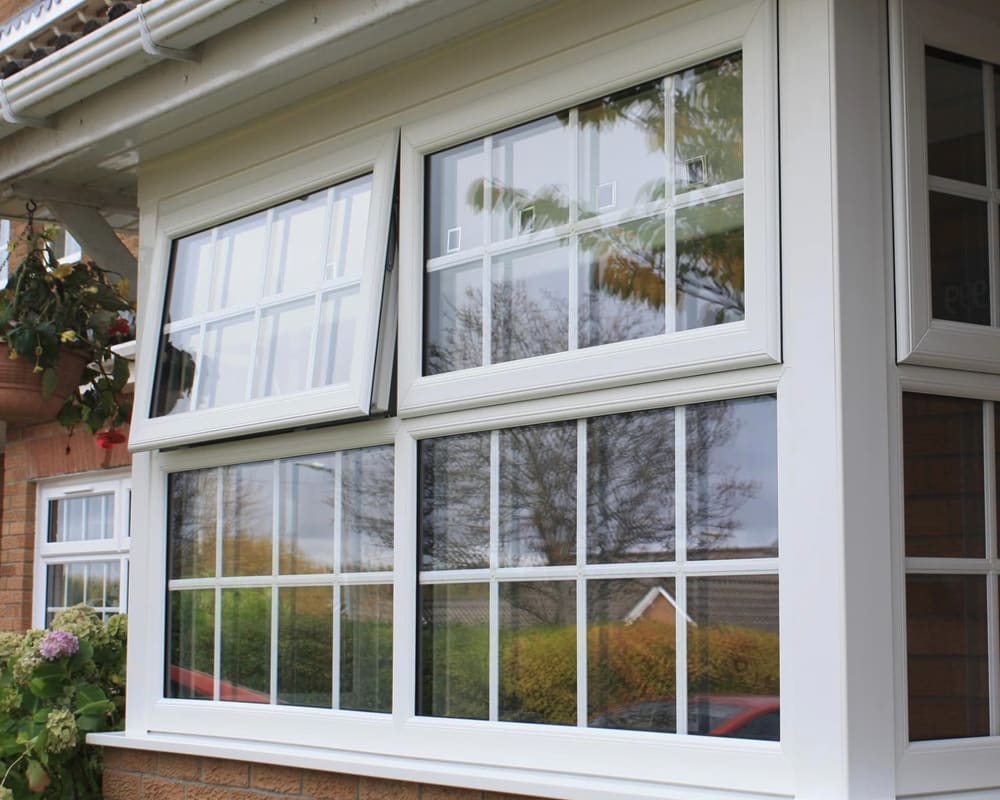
56 644
108 439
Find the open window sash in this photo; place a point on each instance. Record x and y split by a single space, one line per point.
273 299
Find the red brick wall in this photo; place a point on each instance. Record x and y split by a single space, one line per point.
8 8
138 775
34 452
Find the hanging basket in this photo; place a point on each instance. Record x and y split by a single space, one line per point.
21 398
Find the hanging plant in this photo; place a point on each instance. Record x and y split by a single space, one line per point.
54 313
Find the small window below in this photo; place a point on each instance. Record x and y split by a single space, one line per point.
82 547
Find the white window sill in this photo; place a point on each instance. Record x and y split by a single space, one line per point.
536 783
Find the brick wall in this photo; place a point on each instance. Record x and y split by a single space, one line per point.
34 452
8 8
138 775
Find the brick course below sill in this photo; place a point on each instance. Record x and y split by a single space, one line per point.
145 775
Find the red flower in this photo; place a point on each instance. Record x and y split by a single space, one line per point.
108 439
119 326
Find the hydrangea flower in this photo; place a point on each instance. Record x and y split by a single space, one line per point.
61 727
56 644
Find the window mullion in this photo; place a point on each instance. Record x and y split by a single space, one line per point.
992 615
581 583
680 546
670 235
993 225
573 332
275 597
217 634
494 589
338 588
487 259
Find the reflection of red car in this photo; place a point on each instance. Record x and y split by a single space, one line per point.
733 715
195 683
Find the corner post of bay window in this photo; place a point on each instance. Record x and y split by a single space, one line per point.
865 366
814 552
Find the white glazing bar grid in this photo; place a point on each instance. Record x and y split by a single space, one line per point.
992 611
680 585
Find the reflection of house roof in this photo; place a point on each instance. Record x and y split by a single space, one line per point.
646 603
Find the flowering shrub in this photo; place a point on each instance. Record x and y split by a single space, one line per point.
56 686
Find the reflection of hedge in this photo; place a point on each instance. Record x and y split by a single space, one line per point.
455 671
629 663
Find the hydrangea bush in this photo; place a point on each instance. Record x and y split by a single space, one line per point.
57 686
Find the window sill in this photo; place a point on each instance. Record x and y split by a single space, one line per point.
533 782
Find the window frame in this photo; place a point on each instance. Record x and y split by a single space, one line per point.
253 189
621 760
119 485
552 87
921 339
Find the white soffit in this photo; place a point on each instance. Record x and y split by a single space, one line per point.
99 121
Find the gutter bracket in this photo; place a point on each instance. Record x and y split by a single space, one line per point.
14 118
159 50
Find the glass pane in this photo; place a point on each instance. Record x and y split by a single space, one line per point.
366 648
191 645
530 303
225 364
282 363
55 586
622 282
956 143
531 176
305 646
76 583
453 666
455 201
190 277
944 505
78 519
733 656
351 202
100 517
367 492
946 644
453 322
630 487
732 479
708 122
996 468
631 654
996 113
175 372
112 596
538 652
622 164
93 594
308 511
298 244
455 502
710 263
537 523
245 650
239 262
192 513
338 324
960 261
247 497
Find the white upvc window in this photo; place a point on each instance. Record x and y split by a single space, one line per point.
558 514
272 298
613 221
82 545
946 104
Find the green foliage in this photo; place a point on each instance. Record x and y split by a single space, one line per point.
47 706
48 308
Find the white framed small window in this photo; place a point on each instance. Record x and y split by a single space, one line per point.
277 295
570 232
67 248
946 104
81 545
5 250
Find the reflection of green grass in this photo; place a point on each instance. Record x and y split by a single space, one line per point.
455 671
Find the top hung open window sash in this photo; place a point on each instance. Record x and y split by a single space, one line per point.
274 301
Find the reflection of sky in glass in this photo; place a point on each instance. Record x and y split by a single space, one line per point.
621 154
307 496
282 362
531 169
530 303
453 320
732 479
225 365
454 180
